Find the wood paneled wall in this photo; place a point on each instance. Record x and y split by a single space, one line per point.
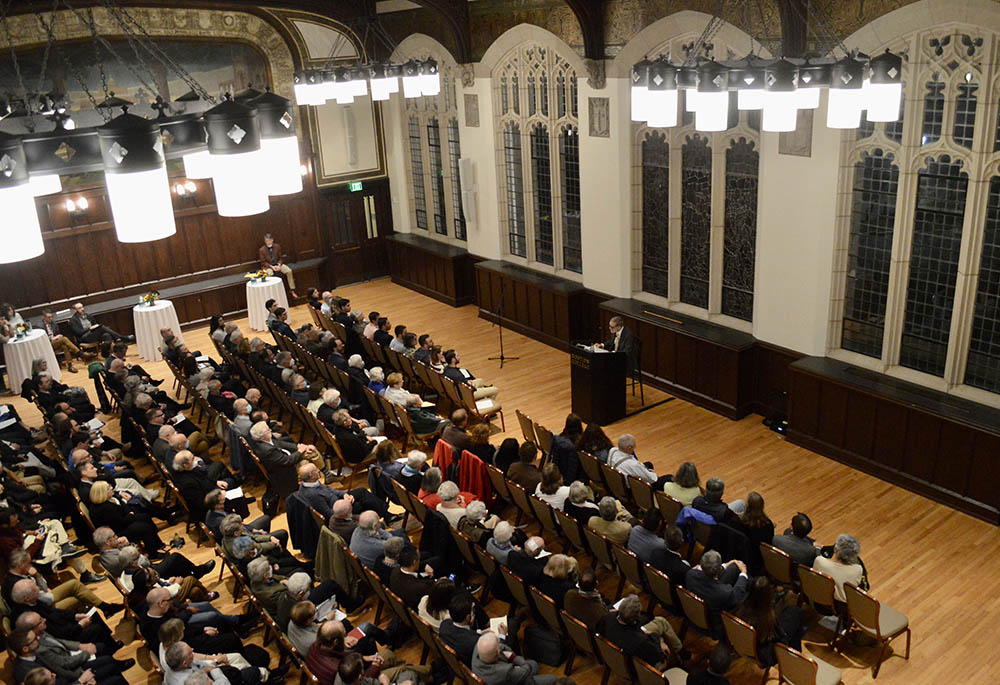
940 446
436 269
83 259
355 230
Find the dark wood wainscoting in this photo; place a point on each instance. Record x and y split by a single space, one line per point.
707 364
538 305
433 268
935 444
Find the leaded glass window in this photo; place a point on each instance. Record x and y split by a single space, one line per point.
541 177
437 176
867 128
569 159
417 174
869 252
655 213
933 112
532 95
982 369
696 220
930 291
740 238
515 190
894 129
965 114
454 154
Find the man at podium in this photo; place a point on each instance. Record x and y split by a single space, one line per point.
621 340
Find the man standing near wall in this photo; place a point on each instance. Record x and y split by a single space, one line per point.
271 261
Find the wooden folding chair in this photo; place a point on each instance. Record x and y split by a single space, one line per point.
876 620
617 484
695 611
480 411
796 668
527 426
642 492
581 639
544 512
778 566
516 585
521 499
547 609
600 546
629 567
818 590
592 468
669 507
662 589
571 530
742 637
615 661
544 436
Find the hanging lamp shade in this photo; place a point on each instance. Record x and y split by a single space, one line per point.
746 77
813 77
661 97
22 235
712 104
358 81
238 172
384 80
844 106
430 79
411 79
640 90
309 88
884 90
136 177
278 144
780 111
45 184
339 86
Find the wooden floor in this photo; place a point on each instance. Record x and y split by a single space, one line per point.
937 566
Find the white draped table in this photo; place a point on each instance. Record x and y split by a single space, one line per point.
148 322
259 293
20 352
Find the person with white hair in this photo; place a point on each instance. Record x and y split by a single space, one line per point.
497 665
369 538
453 504
355 444
500 544
476 525
322 497
333 402
624 460
376 380
281 457
359 379
845 565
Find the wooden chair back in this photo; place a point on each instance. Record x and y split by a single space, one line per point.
662 588
669 507
543 511
527 426
817 587
517 587
486 560
741 636
547 609
794 667
520 497
581 638
616 483
615 660
465 546
777 564
629 567
592 467
642 492
544 436
600 546
571 530
694 608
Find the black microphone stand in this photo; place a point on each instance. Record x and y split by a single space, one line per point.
499 315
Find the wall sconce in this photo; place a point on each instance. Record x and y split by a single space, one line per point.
186 191
303 170
78 208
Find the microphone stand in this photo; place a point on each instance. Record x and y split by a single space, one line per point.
499 315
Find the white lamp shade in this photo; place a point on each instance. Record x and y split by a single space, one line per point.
713 112
807 98
882 100
240 182
750 99
639 99
779 111
691 96
430 84
358 87
140 205
281 165
45 184
198 164
843 108
412 86
382 88
22 234
662 107
310 93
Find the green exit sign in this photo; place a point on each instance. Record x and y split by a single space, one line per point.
354 186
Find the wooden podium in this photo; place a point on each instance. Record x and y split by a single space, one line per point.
598 385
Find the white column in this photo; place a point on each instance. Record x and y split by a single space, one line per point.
606 192
796 225
393 131
479 143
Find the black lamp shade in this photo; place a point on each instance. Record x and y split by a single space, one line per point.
232 128
274 115
129 144
13 165
63 152
847 73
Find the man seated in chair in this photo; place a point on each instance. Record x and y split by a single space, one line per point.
87 330
454 370
354 444
652 640
497 665
322 497
194 480
723 587
281 457
333 402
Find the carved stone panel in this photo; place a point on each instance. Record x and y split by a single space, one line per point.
600 117
472 110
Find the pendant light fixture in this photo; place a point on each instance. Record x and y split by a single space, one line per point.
843 109
278 144
22 235
411 79
45 184
430 79
640 90
309 88
136 176
712 104
780 112
238 171
884 89
661 97
384 80
813 77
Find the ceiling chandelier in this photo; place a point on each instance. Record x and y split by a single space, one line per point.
249 149
777 88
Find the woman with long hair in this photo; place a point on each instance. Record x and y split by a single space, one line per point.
594 441
551 490
758 528
433 606
506 454
563 451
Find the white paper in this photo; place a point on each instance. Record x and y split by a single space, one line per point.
235 493
325 607
93 610
6 423
483 404
202 358
617 604
544 553
95 424
178 418
4 409
380 438
339 615
465 372
495 623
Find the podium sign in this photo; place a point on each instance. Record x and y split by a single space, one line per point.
597 380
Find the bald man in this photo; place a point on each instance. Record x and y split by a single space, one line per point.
368 540
497 666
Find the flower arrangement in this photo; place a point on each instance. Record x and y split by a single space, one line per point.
150 298
255 276
21 329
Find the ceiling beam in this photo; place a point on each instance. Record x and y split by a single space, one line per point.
590 14
455 13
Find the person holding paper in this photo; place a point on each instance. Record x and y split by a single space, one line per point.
458 374
194 480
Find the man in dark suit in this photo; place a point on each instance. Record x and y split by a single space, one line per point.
382 335
457 631
281 457
585 602
407 582
71 659
271 261
280 323
354 444
668 559
796 541
719 660
322 497
721 587
61 623
711 502
652 640
359 379
621 340
194 480
528 562
86 329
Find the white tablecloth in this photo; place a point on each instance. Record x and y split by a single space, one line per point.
19 353
148 322
259 293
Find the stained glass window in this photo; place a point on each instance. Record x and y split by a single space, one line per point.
930 291
515 190
541 176
417 174
740 238
696 220
869 253
569 158
437 176
454 154
983 367
655 213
